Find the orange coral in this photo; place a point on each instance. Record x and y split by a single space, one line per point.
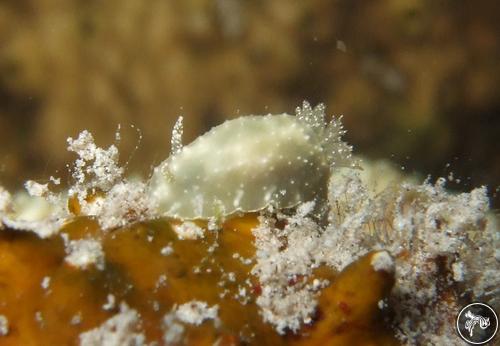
152 281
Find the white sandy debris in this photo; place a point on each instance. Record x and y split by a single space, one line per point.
173 329
96 168
382 261
123 329
123 204
195 312
4 325
84 253
188 230
458 271
283 256
56 202
423 219
430 225
36 189
41 211
44 228
41 215
55 181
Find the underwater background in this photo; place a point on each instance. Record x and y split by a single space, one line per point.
417 81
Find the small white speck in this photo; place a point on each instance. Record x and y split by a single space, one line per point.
458 271
189 230
242 292
4 325
382 304
341 46
45 282
316 284
167 250
195 312
85 252
382 261
110 303
38 317
162 281
55 181
76 319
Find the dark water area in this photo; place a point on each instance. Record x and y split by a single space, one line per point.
416 81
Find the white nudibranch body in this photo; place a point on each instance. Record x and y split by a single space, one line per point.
250 163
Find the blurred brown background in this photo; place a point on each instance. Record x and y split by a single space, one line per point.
417 81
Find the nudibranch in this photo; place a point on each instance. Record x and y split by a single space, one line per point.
250 163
